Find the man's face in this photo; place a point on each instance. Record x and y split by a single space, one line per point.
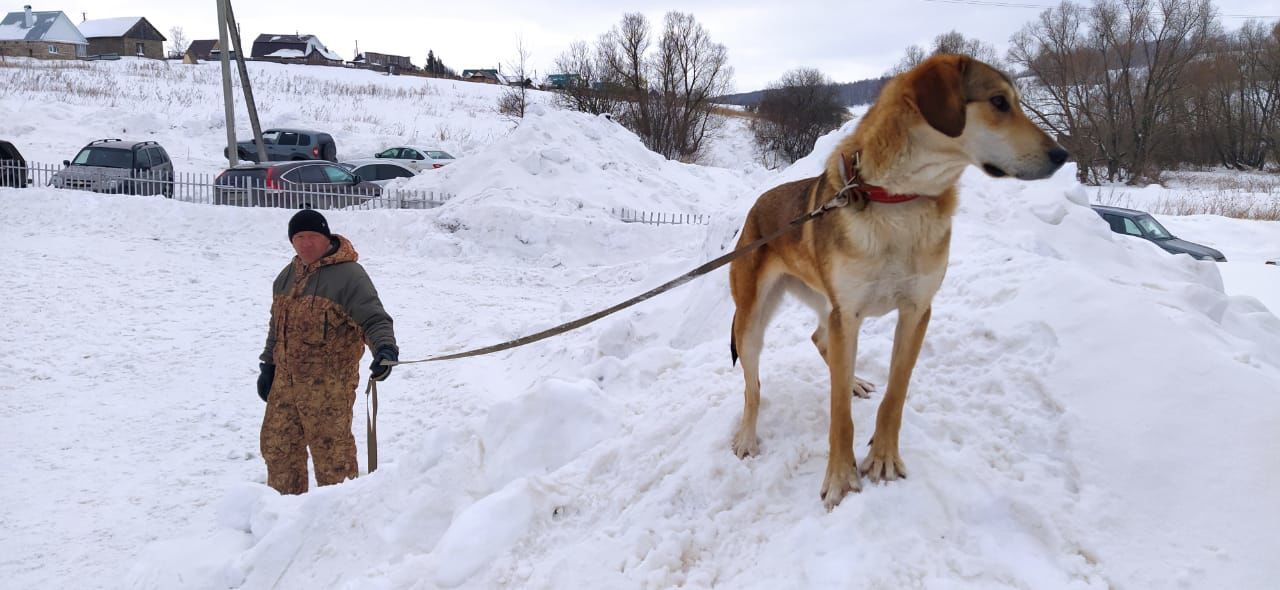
310 245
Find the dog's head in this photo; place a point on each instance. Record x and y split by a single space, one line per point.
976 107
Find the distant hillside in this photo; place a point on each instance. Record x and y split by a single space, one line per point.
851 93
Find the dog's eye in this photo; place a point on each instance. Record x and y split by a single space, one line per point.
1001 103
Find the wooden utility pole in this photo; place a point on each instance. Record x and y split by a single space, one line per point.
244 82
227 103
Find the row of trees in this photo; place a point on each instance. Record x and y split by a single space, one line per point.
1133 87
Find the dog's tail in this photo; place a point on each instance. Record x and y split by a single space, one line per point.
733 346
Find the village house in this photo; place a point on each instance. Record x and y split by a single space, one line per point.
41 34
127 35
300 49
200 50
383 62
484 76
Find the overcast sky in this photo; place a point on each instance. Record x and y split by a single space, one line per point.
847 40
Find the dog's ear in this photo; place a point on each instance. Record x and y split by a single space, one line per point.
939 94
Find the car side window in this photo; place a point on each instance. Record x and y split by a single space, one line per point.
291 176
336 174
389 172
312 175
412 155
159 156
271 137
287 138
391 153
304 139
142 159
1131 228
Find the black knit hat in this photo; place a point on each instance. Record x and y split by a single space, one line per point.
308 220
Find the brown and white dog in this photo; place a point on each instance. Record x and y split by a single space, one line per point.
890 252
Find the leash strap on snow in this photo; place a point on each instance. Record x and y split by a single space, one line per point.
371 422
840 200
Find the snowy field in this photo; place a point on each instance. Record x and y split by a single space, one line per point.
1087 412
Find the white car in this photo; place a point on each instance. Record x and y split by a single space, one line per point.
417 157
377 171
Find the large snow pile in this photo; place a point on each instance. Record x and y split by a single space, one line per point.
1087 410
564 174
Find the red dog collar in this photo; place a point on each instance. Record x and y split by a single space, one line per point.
853 180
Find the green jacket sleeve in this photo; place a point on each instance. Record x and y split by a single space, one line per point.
366 311
267 355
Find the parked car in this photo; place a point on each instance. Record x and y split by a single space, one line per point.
118 166
1141 224
417 157
287 145
13 167
379 172
293 185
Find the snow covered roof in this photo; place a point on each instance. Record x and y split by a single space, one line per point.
287 53
307 44
50 25
314 44
108 27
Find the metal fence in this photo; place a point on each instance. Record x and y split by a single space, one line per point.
657 218
249 191
224 189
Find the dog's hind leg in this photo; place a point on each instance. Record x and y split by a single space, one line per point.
755 306
884 462
822 308
842 469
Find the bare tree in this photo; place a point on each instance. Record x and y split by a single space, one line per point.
793 113
661 91
177 41
1107 78
949 43
1230 102
586 87
514 100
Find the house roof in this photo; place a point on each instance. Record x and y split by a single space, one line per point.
202 46
490 74
305 43
107 27
12 29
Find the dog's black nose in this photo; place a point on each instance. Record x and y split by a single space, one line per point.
1058 155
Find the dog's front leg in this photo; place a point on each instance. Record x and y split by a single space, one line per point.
884 462
842 470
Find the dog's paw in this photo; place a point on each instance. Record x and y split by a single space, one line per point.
862 388
841 479
746 444
883 464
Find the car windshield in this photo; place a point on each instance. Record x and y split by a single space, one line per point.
1152 228
438 155
105 157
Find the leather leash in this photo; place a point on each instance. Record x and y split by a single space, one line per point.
849 172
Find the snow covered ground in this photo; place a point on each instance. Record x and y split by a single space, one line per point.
1087 412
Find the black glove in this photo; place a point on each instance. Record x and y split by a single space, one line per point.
264 380
379 371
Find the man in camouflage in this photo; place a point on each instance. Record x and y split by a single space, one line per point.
324 309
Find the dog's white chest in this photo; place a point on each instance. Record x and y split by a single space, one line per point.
892 270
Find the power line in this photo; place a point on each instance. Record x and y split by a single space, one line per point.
995 4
